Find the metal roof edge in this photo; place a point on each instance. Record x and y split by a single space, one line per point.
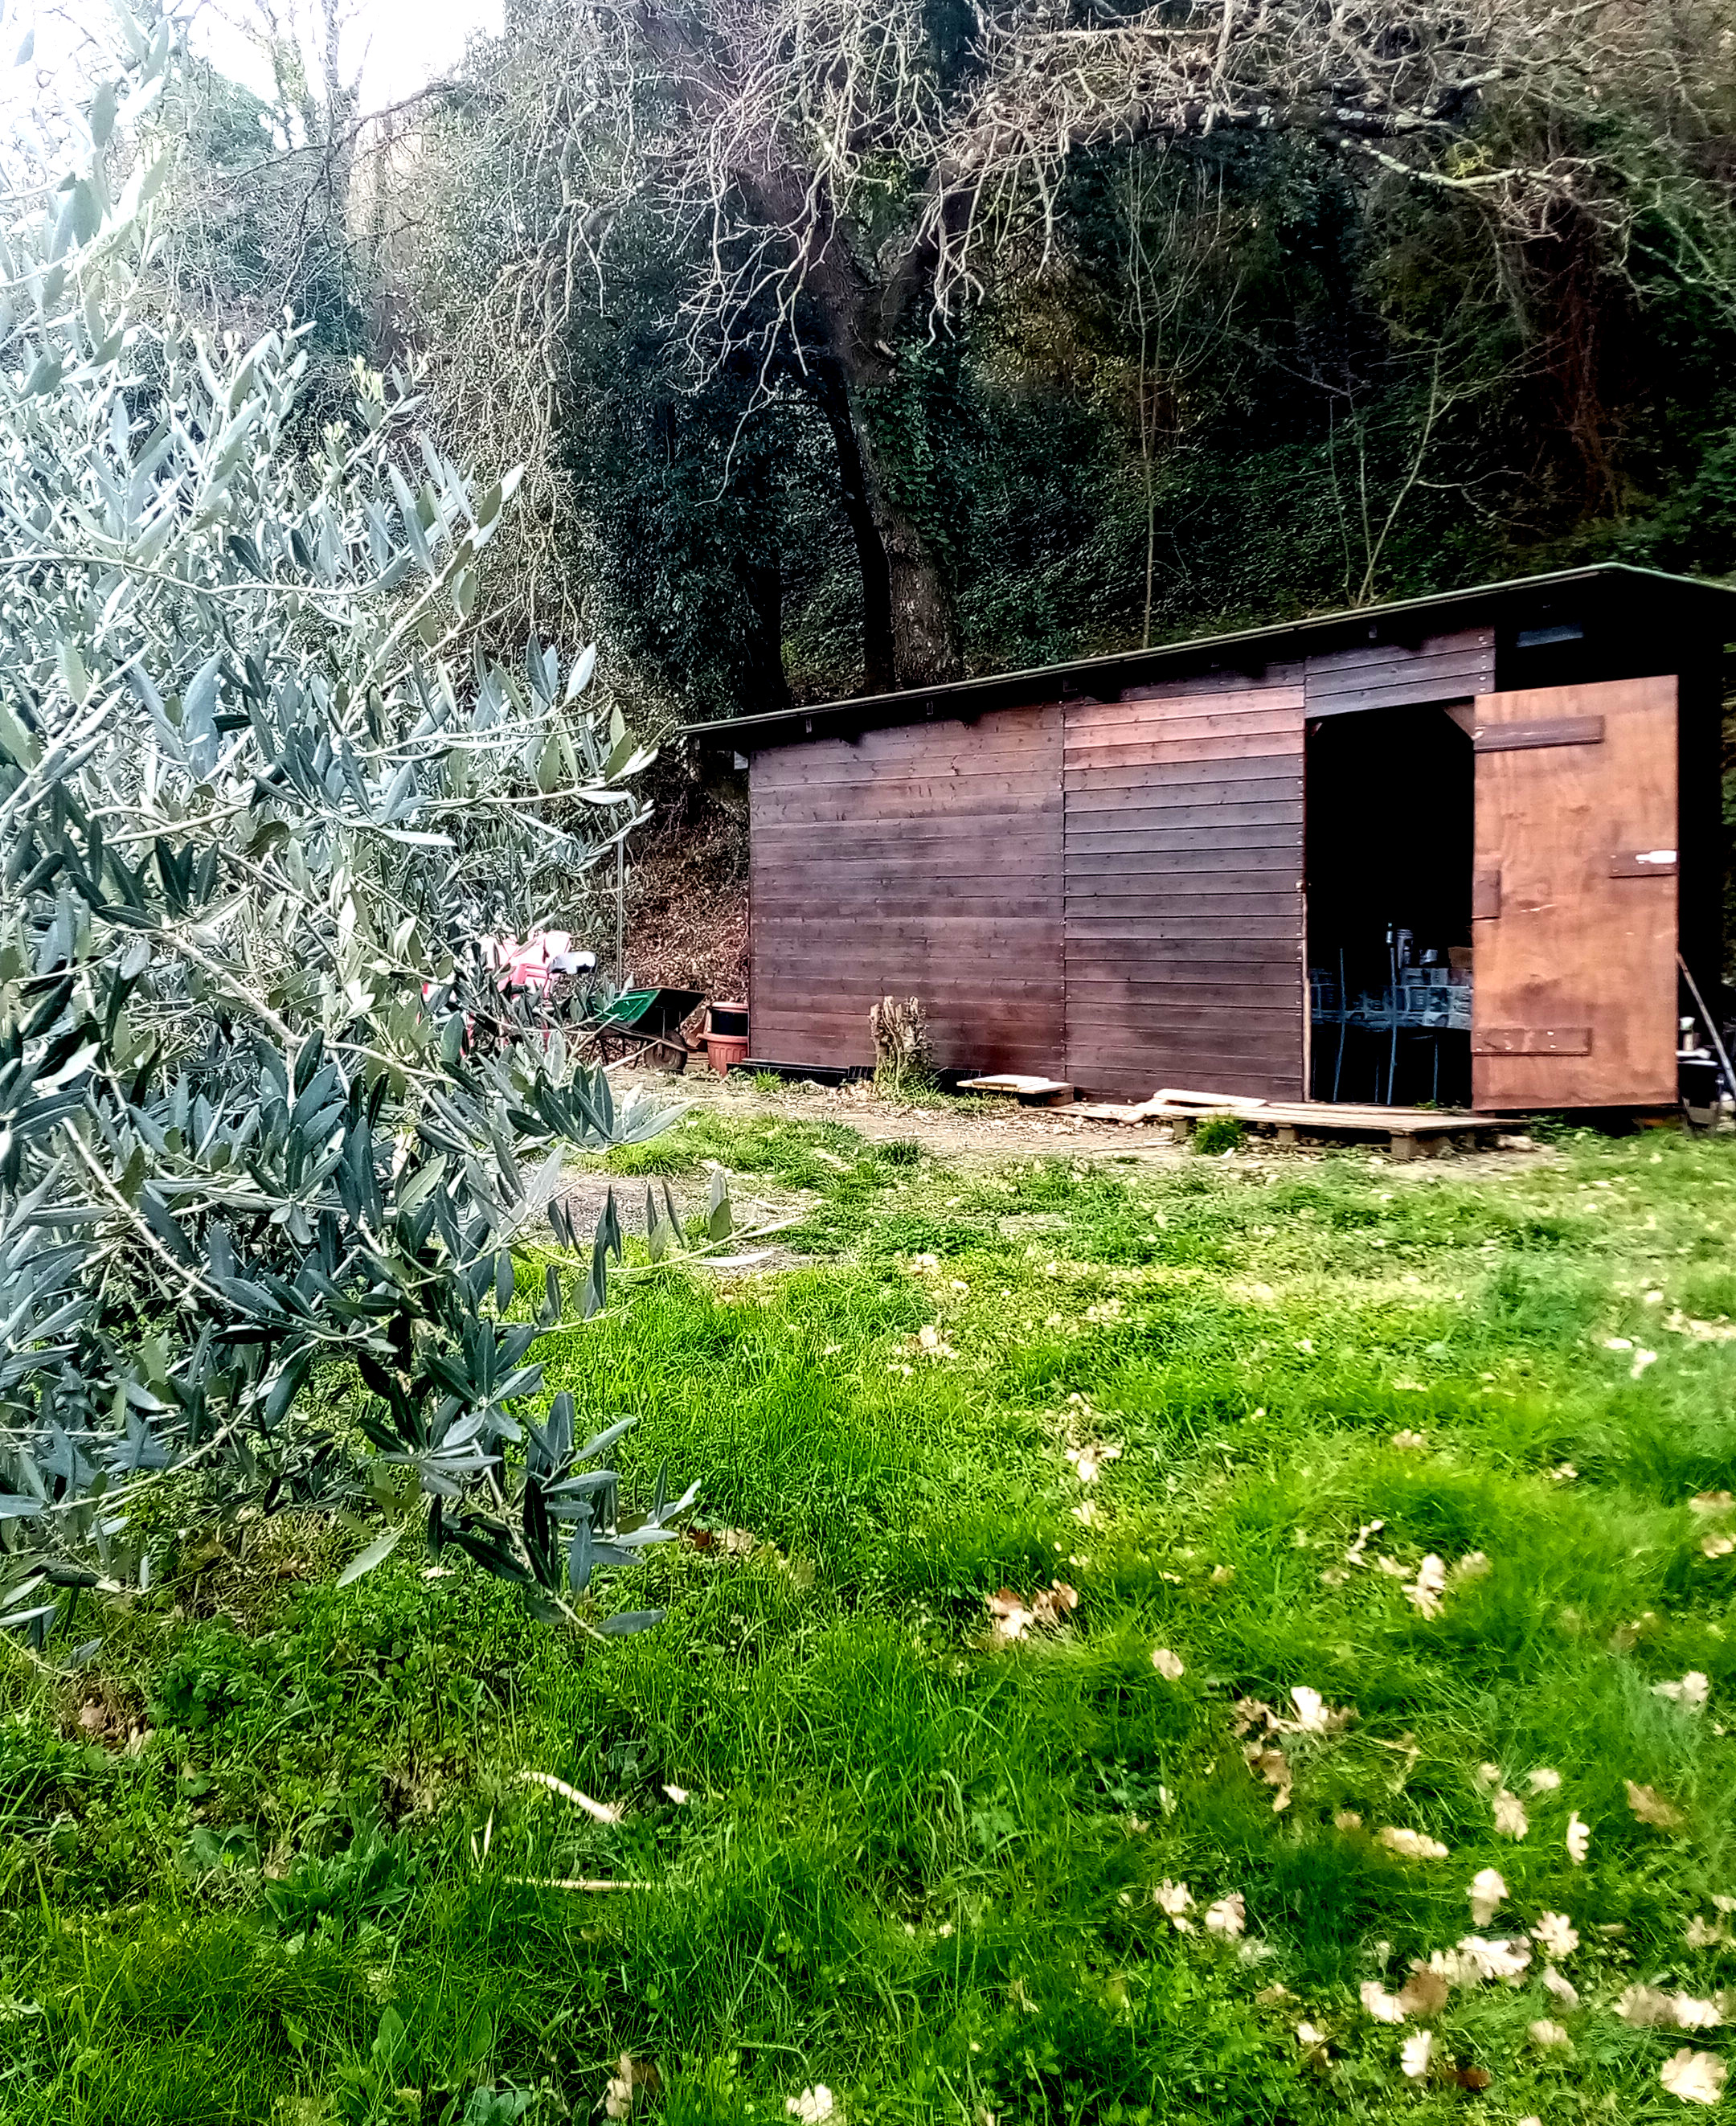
909 704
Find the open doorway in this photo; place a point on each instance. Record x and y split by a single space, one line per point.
1388 857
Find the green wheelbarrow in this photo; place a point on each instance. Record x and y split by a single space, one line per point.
645 1025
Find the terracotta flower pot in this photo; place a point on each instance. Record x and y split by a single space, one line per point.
726 1034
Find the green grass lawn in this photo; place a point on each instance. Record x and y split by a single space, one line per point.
1423 1445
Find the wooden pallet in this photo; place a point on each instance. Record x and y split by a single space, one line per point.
1030 1092
1409 1132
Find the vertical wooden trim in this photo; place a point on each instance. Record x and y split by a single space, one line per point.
1307 1091
1064 713
754 759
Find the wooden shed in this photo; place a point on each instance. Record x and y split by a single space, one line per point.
1245 862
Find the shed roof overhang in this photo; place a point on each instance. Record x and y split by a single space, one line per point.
1610 593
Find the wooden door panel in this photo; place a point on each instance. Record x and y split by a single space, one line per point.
1575 914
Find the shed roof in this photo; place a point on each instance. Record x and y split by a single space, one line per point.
1612 591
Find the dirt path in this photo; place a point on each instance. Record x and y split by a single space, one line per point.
991 1132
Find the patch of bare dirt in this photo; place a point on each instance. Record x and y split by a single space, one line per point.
968 1133
752 1201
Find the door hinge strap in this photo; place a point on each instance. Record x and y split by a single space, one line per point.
1531 1040
1519 737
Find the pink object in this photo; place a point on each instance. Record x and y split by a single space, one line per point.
533 964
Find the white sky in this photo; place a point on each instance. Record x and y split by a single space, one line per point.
399 45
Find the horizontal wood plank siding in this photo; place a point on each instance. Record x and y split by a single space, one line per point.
925 860
1389 675
1183 847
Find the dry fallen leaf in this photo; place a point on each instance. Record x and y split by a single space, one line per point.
1414 2056
813 2106
1579 1840
1486 1892
1382 2005
679 1795
1546 2034
1168 1665
1511 1820
1272 1766
1650 1807
630 2078
1564 1991
1423 1994
1175 1899
1313 1715
1647 2008
1695 2077
1412 1844
1705 1934
1229 1917
733 1542
1690 1692
1409 1442
1543 1780
1692 2014
1554 1934
1710 1504
1718 1546
1476 1961
1008 1618
1429 1586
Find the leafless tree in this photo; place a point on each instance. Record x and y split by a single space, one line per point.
841 186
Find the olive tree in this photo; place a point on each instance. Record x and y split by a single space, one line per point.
265 1119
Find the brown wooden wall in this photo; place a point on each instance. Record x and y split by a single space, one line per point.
1389 675
1183 874
1110 891
923 860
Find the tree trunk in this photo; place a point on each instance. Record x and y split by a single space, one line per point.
925 644
909 635
879 671
763 671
